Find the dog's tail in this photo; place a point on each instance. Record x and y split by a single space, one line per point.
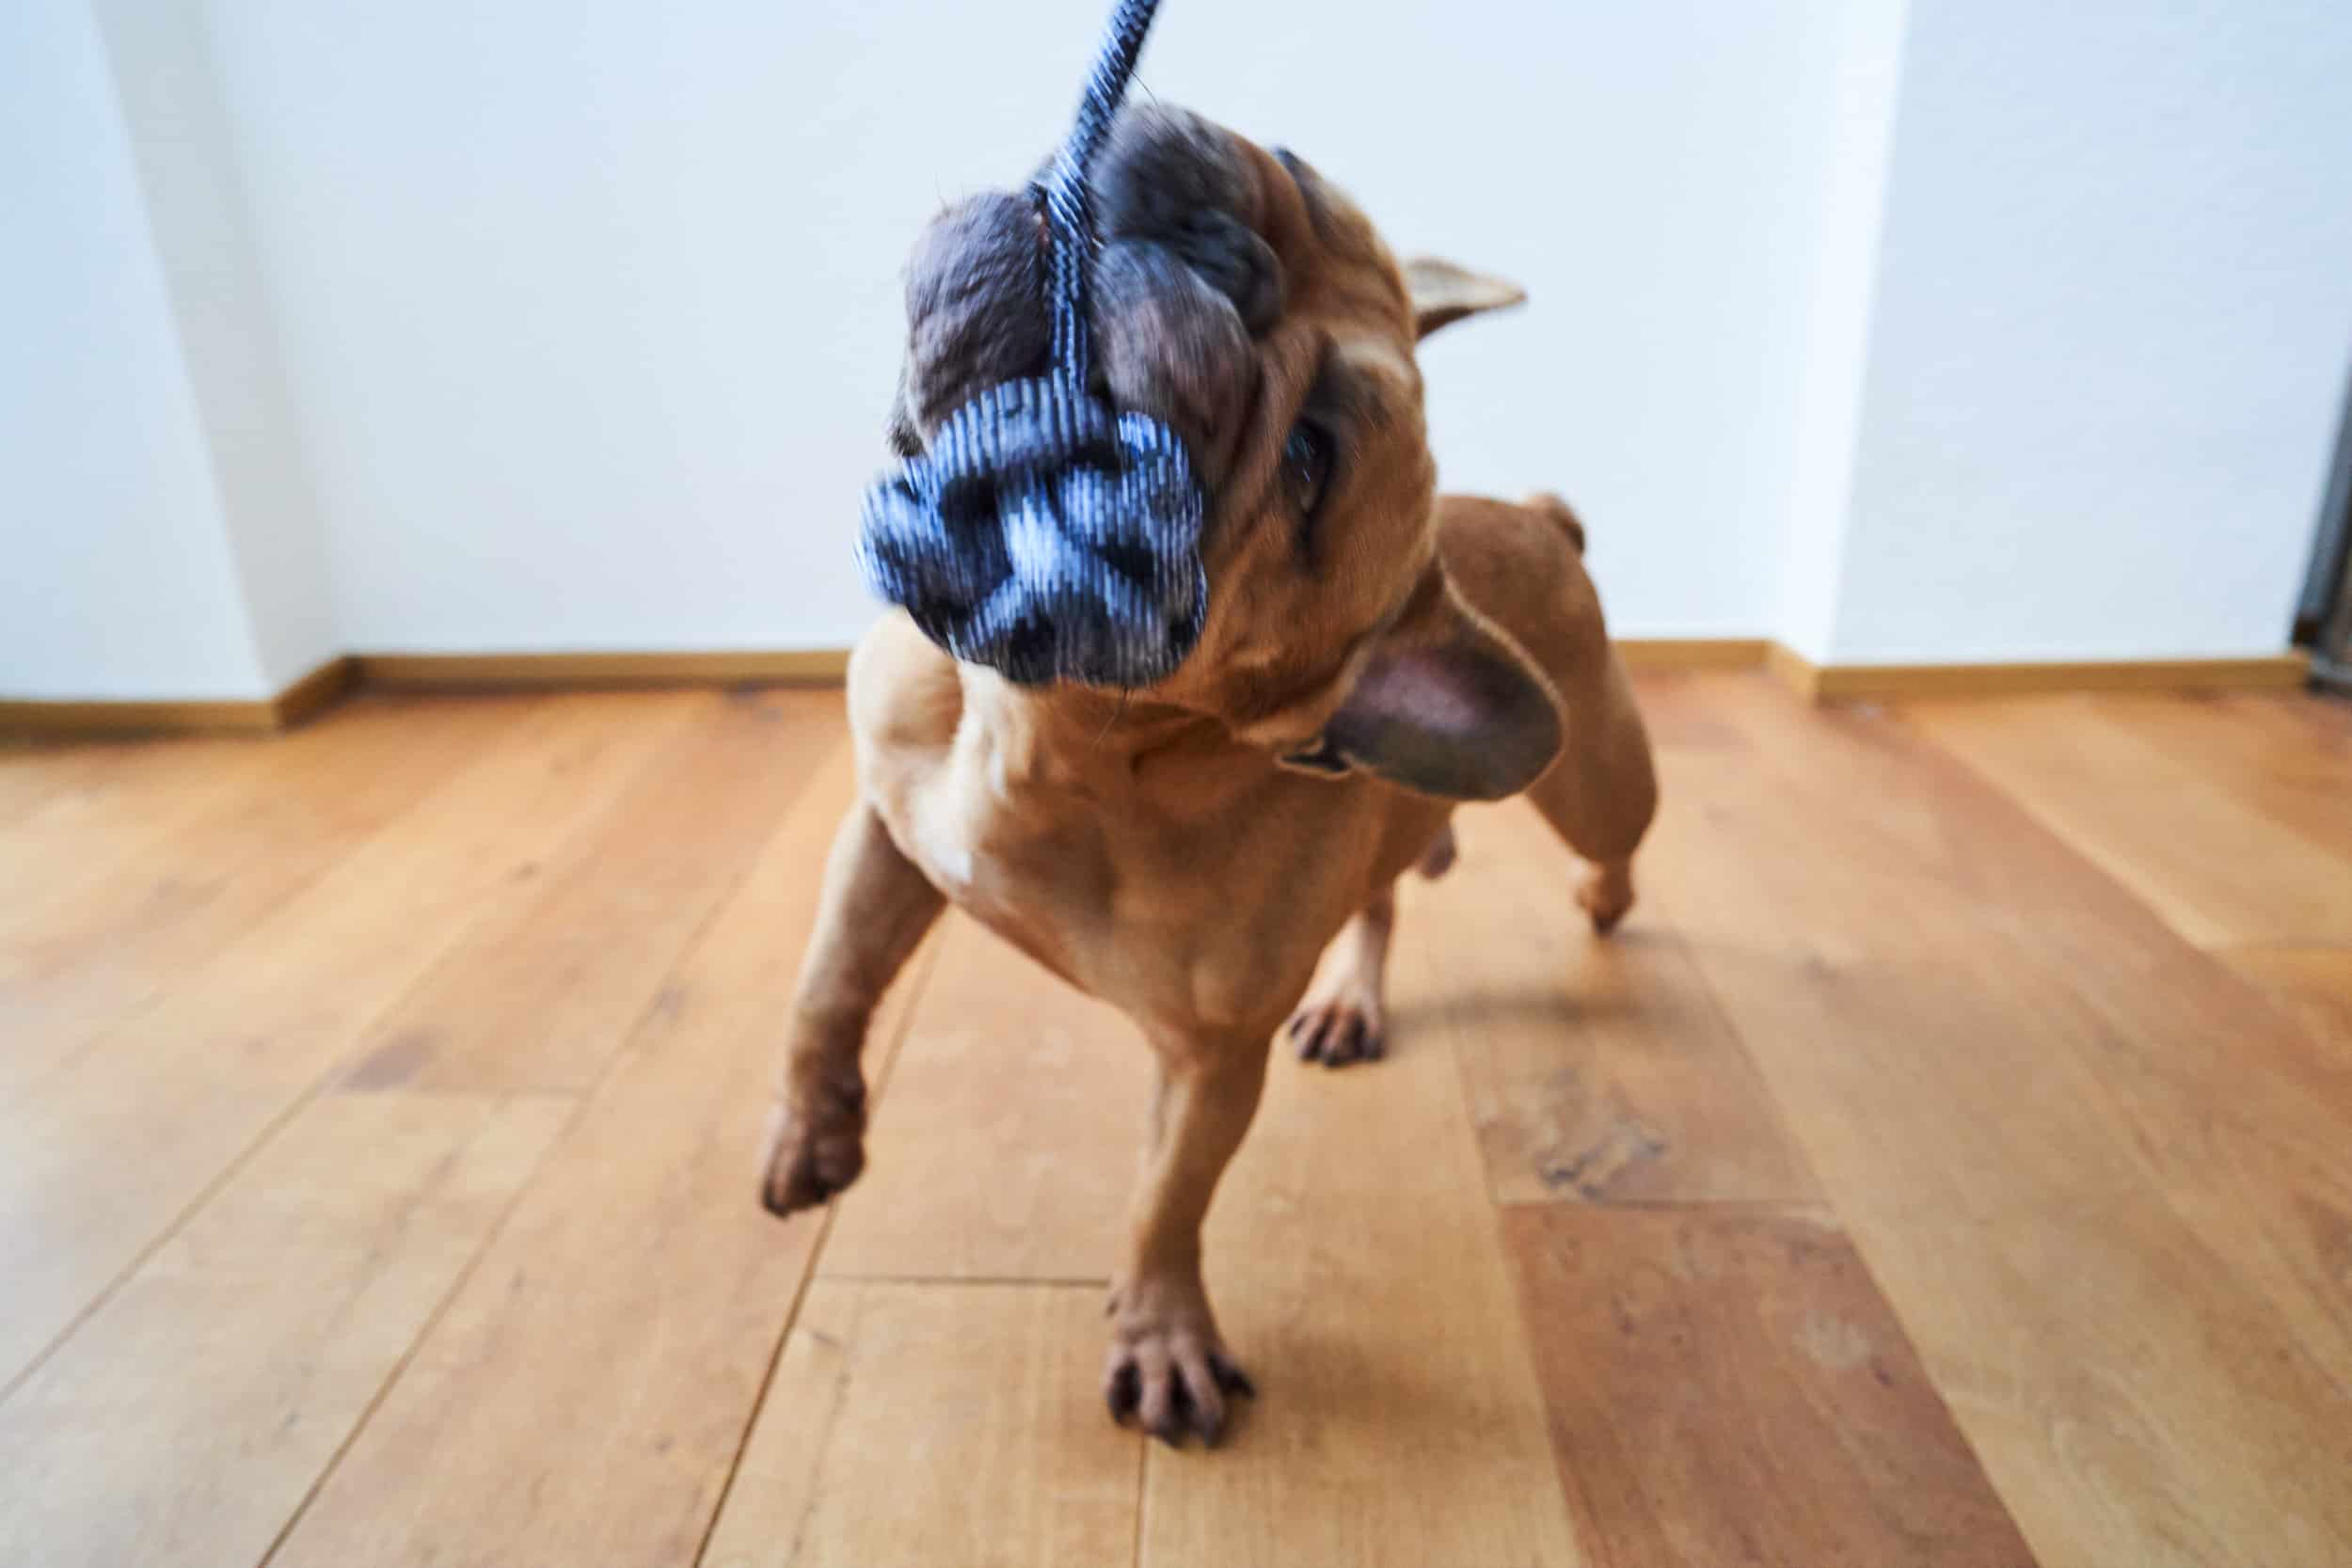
1559 512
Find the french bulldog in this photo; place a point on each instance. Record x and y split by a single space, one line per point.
1371 654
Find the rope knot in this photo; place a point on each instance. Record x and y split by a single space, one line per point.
1043 533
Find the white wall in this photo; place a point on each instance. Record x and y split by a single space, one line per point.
1896 328
1856 75
593 310
2114 306
1654 175
117 580
188 173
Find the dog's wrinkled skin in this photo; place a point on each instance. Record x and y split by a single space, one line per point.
1186 852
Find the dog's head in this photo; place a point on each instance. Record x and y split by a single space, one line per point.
1247 301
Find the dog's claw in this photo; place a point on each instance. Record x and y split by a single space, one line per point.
1170 1430
1338 1032
1171 1375
1606 893
1123 1391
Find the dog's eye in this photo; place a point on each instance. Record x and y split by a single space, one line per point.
1306 465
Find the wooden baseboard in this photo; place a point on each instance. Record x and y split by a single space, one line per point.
1835 682
1794 671
344 675
22 720
315 692
582 670
815 666
305 697
337 678
1692 653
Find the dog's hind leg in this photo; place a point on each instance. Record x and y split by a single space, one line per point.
873 910
1603 791
1341 1022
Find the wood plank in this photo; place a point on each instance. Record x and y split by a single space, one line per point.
2314 984
32 773
108 826
2288 757
1730 1388
35 776
2315 726
2207 857
543 991
108 1151
2099 1181
1014 1121
1358 1275
108 946
935 1424
2242 1115
639 1290
184 1422
1365 1289
102 843
1598 1072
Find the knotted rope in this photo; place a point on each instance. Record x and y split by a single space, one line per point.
1044 532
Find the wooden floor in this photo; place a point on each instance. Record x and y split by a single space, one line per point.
1950 1162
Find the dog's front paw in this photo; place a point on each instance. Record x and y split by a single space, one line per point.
814 1147
1167 1369
1338 1024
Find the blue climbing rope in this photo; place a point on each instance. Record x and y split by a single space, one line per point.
1069 199
1043 533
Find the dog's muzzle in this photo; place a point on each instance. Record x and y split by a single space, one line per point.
1046 537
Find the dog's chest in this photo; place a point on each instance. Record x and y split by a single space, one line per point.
1183 912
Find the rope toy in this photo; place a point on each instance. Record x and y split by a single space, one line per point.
1044 533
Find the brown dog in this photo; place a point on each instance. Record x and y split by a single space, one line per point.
1370 655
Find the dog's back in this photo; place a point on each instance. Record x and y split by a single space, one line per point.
1521 566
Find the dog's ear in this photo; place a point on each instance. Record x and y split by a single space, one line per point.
1442 293
1445 705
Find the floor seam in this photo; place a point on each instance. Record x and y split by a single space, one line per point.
919 972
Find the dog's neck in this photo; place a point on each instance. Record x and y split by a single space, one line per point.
1086 737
